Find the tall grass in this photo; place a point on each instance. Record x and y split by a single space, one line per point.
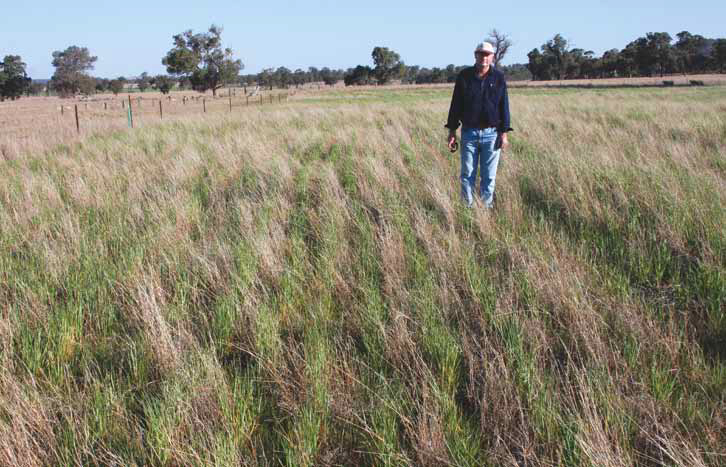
301 285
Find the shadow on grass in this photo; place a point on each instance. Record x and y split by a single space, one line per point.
662 276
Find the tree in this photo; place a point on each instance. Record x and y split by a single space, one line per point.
358 76
314 74
14 81
516 72
388 64
409 76
439 75
201 59
143 82
298 77
451 73
101 84
501 43
589 66
609 62
626 60
424 76
557 56
330 77
651 54
266 78
71 65
163 83
660 51
537 65
116 86
282 77
719 54
580 64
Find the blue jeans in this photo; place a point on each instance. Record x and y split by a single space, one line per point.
477 150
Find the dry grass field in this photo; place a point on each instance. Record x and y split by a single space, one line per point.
299 284
38 123
677 80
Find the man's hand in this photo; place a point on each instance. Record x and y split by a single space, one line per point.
452 141
505 141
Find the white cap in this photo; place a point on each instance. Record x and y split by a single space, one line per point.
485 47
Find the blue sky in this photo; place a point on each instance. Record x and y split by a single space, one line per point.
131 36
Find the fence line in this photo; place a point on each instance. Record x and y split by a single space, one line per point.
128 105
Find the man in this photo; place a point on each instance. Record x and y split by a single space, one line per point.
480 102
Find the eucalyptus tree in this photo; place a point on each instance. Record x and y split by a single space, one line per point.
202 60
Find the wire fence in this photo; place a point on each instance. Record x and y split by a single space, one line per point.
131 106
32 125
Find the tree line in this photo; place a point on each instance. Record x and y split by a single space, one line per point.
199 62
283 77
387 66
655 54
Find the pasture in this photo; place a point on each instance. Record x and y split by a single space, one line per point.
299 284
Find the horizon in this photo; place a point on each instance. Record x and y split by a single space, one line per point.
428 35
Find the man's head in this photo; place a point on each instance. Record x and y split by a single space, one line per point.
484 54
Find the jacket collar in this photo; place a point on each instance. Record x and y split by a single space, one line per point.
495 73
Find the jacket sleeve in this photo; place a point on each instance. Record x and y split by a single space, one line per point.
455 109
504 122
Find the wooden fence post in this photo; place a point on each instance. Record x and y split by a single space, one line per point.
230 101
248 99
62 109
204 104
161 111
104 106
78 126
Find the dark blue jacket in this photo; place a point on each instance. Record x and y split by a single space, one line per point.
491 111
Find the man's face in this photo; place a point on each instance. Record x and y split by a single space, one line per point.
483 59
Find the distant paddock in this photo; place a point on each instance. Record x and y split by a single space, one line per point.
674 80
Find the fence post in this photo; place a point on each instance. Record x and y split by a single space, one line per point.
204 104
161 111
123 104
62 109
78 126
230 101
131 114
248 99
104 106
